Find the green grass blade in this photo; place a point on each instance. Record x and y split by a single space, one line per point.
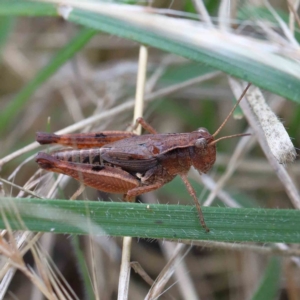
153 221
82 268
279 81
270 283
264 69
63 55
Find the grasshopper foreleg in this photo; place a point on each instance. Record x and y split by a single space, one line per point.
193 194
145 125
131 194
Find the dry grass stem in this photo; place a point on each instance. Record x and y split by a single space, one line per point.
279 169
209 183
11 251
164 276
202 11
182 276
72 103
6 280
2 192
295 259
270 250
78 192
41 268
286 30
140 86
21 239
21 188
124 275
243 145
138 112
254 165
224 15
139 270
58 182
293 14
62 282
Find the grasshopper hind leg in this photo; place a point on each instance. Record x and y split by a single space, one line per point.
104 178
83 140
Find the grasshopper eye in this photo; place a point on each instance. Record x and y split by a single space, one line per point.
201 143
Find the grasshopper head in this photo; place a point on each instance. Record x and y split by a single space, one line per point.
203 154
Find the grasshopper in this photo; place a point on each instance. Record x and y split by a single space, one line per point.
124 163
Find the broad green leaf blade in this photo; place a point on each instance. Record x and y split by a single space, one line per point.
152 221
16 104
270 283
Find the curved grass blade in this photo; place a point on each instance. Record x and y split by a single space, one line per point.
266 70
153 221
263 68
270 284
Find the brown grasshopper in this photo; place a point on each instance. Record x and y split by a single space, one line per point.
124 163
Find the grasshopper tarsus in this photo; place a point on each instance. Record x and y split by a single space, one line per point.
44 138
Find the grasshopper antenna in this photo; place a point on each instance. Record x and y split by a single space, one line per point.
228 137
229 115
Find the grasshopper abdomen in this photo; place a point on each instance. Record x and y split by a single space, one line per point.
83 156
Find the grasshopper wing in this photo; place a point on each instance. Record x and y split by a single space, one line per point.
130 154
